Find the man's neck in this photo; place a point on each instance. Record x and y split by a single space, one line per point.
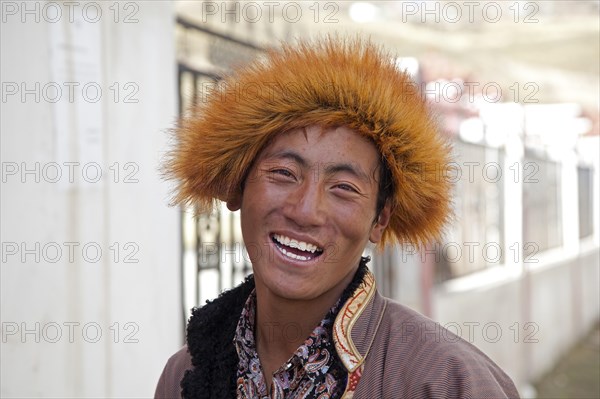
285 325
282 325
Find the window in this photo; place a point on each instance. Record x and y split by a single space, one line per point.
586 207
476 237
542 227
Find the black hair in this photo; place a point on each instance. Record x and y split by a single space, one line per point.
385 189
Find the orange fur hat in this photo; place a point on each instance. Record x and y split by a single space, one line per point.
330 82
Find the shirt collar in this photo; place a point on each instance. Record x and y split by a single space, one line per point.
318 340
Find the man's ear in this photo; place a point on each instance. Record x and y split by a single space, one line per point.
235 201
381 223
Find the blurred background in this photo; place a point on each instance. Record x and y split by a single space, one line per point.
98 273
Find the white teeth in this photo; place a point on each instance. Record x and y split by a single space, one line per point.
293 256
301 245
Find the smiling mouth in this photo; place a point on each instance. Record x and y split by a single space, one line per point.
295 249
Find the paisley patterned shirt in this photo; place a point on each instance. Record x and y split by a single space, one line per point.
313 371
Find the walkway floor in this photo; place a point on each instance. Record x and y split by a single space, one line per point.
577 375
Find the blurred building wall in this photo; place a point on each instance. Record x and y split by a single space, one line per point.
90 275
526 309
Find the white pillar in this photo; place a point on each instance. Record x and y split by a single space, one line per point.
100 324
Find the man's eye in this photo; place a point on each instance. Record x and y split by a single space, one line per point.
346 187
282 172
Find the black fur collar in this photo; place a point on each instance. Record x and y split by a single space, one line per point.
210 334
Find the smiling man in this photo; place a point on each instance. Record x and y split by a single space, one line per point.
323 147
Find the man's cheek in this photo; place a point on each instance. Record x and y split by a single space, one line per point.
259 252
331 253
254 251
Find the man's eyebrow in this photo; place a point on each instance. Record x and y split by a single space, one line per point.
333 168
287 154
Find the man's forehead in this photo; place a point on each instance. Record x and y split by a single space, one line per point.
342 138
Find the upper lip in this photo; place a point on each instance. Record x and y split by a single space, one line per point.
300 237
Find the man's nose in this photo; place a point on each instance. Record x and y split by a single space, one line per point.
305 206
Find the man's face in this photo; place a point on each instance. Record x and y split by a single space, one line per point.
308 211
